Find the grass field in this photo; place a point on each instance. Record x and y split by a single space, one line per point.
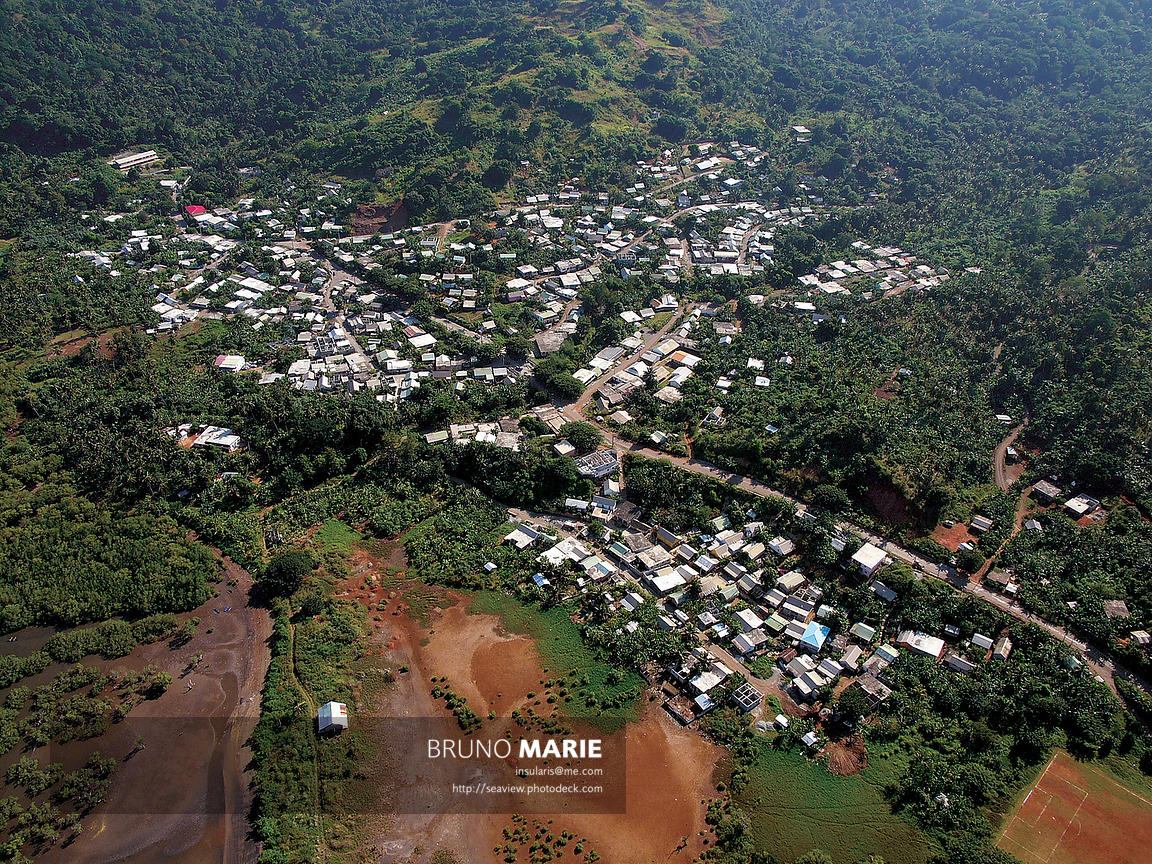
336 536
1077 814
794 806
564 654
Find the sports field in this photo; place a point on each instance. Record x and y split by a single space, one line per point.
1077 814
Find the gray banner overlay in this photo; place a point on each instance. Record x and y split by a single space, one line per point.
378 765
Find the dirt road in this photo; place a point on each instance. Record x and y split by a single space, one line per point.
1000 458
575 410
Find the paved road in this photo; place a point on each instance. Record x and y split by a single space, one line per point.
575 410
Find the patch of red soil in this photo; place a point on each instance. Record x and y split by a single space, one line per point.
373 218
951 538
888 501
669 770
1077 814
847 757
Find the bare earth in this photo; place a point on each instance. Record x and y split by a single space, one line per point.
1077 814
669 769
184 798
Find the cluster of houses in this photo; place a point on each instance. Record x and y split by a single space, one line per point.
349 334
189 435
751 603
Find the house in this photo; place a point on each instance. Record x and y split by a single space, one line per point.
921 643
958 663
1081 505
598 464
980 524
781 722
1003 648
869 559
851 657
632 601
799 665
830 669
882 591
332 717
862 631
1045 492
997 579
981 641
1116 609
810 739
229 362
1142 638
875 691
743 645
815 634
710 678
781 546
621 418
522 537
791 581
749 585
749 620
807 687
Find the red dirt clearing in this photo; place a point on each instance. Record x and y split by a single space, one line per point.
1077 814
951 538
669 769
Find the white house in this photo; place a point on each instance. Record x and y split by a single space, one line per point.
332 716
869 559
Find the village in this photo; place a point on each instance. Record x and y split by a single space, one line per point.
745 594
387 313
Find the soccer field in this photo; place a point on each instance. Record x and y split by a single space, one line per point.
1077 814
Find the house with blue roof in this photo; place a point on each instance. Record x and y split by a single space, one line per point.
814 637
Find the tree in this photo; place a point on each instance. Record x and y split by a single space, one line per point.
969 560
498 175
583 436
830 498
286 571
852 705
517 346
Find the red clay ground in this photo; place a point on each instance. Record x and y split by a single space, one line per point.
887 500
951 538
1077 814
847 757
669 769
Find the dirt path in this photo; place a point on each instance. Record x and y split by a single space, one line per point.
1003 474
